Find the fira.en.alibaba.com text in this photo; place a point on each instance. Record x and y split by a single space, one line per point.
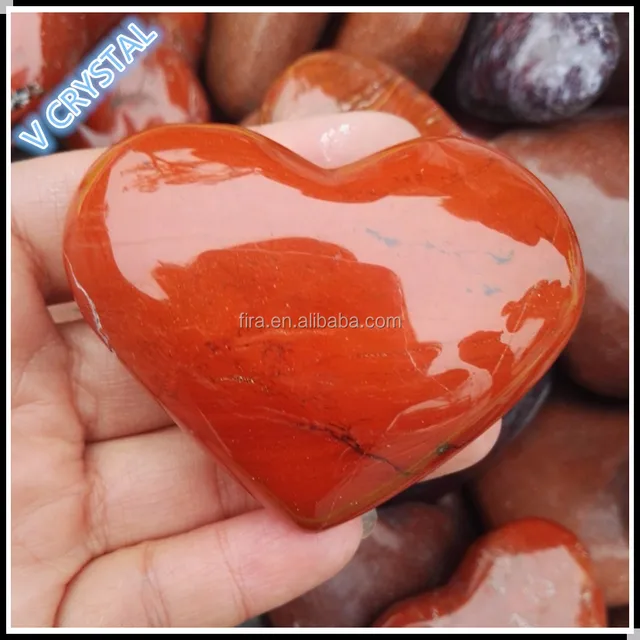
318 321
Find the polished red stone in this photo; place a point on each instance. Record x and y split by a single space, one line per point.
47 46
529 573
160 89
181 238
331 82
184 32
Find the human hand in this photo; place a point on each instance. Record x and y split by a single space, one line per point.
118 518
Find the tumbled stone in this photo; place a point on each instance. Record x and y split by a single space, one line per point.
247 51
184 32
160 89
570 467
326 420
529 573
585 164
536 67
330 82
45 47
419 45
412 547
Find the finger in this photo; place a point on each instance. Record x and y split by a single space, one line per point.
40 408
111 403
41 190
65 312
103 387
215 576
163 483
475 451
156 485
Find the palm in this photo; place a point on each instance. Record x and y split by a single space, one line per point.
89 493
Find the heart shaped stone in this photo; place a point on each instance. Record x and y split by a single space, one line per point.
529 573
330 336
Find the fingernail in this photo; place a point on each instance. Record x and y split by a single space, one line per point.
369 520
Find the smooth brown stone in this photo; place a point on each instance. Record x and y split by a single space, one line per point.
247 51
585 164
419 45
412 547
528 573
567 467
330 82
619 617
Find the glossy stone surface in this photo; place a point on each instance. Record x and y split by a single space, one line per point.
184 32
536 67
331 82
512 424
570 466
161 89
47 46
419 45
199 254
247 51
585 164
530 573
412 547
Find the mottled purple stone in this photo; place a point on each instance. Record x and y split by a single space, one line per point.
536 67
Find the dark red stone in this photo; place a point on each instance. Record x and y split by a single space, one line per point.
536 67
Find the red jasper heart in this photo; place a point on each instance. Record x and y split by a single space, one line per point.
528 573
220 267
